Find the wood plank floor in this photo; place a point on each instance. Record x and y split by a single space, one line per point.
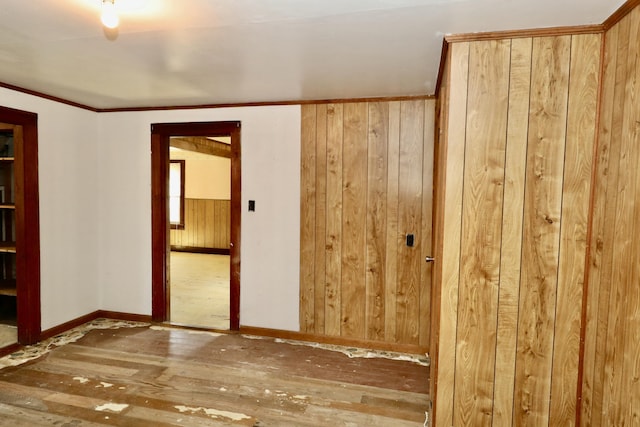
200 292
147 376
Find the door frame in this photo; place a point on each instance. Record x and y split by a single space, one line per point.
27 223
160 242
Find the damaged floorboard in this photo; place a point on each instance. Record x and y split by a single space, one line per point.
140 376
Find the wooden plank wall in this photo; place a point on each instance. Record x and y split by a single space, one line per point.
610 386
367 182
518 153
207 224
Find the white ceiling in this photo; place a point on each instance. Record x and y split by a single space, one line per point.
197 52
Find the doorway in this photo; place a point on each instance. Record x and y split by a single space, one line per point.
199 217
19 229
162 136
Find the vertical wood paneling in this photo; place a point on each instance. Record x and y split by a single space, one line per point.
427 225
321 221
354 220
377 220
614 398
308 218
410 220
518 162
452 228
576 192
204 217
334 220
543 203
600 263
202 221
632 361
216 212
623 317
610 387
512 223
393 236
632 364
482 224
372 186
439 184
209 229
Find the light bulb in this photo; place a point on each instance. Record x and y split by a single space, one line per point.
109 16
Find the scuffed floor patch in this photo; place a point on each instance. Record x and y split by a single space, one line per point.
112 407
37 350
214 413
353 352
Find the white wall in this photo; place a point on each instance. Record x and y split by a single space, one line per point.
95 209
270 244
68 175
206 176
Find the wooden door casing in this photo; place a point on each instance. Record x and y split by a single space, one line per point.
27 222
160 135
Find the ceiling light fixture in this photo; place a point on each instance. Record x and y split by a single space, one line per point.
109 16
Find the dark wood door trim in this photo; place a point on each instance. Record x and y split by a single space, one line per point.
27 224
160 135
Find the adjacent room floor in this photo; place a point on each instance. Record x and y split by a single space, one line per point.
8 335
138 375
8 330
199 290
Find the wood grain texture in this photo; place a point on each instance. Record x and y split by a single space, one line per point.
307 218
174 377
542 216
393 236
428 178
518 141
333 303
409 220
207 224
512 223
439 185
369 193
597 298
614 397
632 362
321 218
576 194
354 220
448 277
481 231
376 226
620 390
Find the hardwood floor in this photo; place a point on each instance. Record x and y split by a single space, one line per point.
144 376
8 335
200 290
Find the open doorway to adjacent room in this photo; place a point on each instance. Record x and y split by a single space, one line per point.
196 224
200 221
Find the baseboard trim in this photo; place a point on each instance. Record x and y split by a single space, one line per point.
98 314
128 317
64 327
197 250
325 339
247 330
